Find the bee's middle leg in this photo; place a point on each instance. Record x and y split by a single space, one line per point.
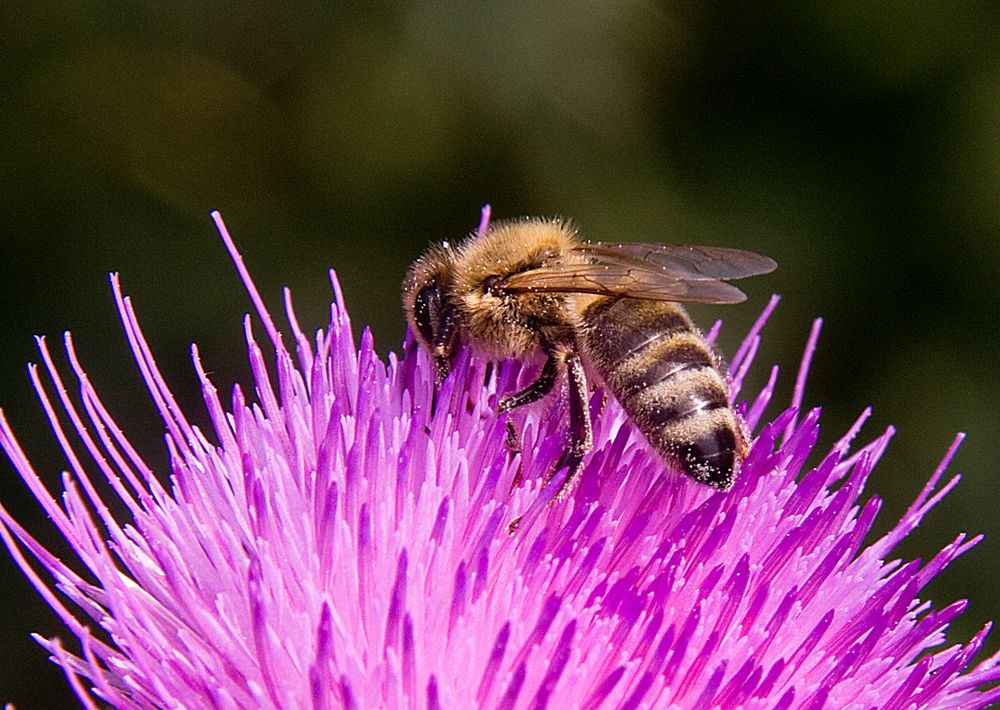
532 393
580 429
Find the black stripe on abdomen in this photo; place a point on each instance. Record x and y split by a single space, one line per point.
664 360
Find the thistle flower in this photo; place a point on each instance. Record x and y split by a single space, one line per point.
334 544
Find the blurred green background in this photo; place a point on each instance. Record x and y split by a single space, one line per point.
857 143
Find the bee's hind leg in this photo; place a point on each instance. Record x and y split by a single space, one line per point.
532 393
580 431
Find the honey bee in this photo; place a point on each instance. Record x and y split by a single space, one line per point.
531 289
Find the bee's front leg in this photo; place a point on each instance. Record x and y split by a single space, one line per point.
532 393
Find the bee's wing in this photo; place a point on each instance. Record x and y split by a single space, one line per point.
633 280
683 260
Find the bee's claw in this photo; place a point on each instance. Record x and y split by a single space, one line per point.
512 440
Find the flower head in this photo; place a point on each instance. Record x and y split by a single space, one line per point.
331 543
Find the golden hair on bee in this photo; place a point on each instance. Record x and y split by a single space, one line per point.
530 288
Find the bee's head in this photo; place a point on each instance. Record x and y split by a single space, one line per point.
429 307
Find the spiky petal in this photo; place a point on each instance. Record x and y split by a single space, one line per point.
331 544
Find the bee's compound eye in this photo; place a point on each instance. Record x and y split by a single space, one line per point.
427 312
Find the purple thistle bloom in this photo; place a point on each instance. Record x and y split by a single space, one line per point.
333 545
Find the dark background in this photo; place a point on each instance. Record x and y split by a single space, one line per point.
857 143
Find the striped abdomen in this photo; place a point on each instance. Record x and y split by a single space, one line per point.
658 366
